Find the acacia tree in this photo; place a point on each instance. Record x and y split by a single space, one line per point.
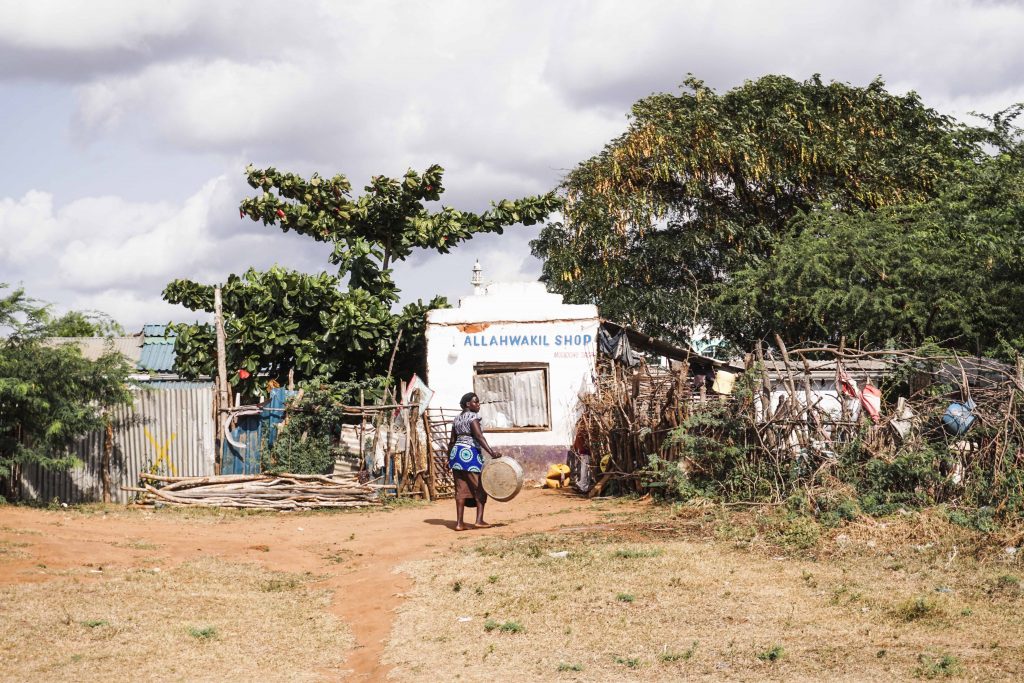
702 185
950 269
336 327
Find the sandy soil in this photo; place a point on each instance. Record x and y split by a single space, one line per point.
357 551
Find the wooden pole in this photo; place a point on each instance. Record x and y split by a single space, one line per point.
429 446
108 448
362 434
801 434
844 409
223 403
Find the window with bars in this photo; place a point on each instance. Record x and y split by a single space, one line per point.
513 396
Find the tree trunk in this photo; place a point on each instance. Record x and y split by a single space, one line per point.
222 402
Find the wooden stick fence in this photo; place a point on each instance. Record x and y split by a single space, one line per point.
638 413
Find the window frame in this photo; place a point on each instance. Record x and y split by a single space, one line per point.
492 368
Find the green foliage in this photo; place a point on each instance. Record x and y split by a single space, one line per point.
630 662
983 519
384 224
335 327
836 509
685 655
935 666
772 654
636 553
49 396
916 609
569 667
716 458
910 478
84 324
950 268
625 597
810 209
304 442
279 319
512 627
505 627
203 632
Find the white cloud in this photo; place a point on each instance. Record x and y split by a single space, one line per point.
110 254
215 104
97 24
506 95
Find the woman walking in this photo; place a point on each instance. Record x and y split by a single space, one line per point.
466 462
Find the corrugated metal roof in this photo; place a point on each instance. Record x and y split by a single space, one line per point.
94 347
157 356
859 369
157 349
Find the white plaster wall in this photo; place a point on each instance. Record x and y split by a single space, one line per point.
824 395
515 323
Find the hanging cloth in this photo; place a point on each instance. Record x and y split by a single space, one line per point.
844 384
871 399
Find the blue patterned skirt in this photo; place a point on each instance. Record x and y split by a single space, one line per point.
465 458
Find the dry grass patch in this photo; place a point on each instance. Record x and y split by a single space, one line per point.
13 550
703 609
203 620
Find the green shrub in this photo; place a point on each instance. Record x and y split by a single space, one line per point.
507 627
915 609
943 666
685 655
634 553
303 444
772 654
982 519
203 632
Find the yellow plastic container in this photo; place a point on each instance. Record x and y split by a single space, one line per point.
557 477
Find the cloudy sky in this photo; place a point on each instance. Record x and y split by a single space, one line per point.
126 124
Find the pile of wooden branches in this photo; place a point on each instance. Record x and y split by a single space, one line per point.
790 426
263 491
630 415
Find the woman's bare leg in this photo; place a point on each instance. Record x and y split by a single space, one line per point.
460 510
480 513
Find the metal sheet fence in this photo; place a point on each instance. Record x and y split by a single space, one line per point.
166 431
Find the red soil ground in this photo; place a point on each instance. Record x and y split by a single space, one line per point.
357 551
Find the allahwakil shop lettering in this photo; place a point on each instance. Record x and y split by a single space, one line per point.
528 340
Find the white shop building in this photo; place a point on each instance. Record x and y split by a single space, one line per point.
527 355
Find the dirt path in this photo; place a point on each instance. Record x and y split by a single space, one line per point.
357 552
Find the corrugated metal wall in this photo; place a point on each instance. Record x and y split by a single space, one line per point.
513 398
166 431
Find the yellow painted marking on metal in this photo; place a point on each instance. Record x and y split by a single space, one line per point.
162 451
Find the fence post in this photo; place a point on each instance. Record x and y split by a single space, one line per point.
222 402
